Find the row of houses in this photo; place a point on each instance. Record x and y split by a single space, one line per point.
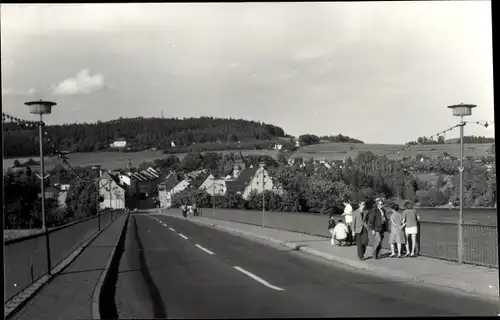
242 181
116 187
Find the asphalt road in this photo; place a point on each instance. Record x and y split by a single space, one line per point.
177 269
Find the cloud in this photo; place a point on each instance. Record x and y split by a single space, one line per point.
83 83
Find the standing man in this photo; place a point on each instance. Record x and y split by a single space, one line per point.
360 230
348 220
411 219
378 225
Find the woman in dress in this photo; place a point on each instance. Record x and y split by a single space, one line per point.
397 236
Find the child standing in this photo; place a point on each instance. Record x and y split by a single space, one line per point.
397 236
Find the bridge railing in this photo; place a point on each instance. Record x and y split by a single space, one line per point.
26 257
437 238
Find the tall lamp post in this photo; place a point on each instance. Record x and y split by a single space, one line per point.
41 107
461 110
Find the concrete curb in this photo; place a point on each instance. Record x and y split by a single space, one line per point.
19 300
96 296
384 272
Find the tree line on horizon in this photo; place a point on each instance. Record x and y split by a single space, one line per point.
441 140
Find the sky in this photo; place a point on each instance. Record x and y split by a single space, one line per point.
382 72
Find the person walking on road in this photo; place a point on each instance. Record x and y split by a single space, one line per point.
195 209
184 210
411 219
348 220
378 225
360 230
331 227
397 235
340 234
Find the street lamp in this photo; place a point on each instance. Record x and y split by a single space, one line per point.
461 110
41 107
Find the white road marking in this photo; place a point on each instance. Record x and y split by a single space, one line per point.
183 236
204 249
261 281
172 229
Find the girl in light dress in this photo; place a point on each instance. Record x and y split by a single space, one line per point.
397 236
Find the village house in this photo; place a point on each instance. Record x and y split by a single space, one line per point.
165 190
53 192
193 180
112 191
139 183
119 143
250 179
214 186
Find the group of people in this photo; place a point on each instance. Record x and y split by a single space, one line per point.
402 227
192 209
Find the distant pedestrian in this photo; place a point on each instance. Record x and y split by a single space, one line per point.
340 234
348 219
195 209
331 227
397 235
184 210
378 225
411 219
359 227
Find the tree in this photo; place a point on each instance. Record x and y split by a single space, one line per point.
441 140
191 162
308 139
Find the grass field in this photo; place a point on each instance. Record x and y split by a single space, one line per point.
328 151
116 160
339 151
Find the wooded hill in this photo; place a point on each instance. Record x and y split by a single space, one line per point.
140 134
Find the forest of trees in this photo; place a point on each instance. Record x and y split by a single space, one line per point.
140 133
441 140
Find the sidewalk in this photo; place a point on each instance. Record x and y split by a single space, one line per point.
69 294
468 279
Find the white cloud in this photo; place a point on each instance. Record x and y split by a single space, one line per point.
83 83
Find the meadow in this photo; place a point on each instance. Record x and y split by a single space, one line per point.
339 151
323 151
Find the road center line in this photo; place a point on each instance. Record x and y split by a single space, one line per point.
183 236
261 281
172 229
204 249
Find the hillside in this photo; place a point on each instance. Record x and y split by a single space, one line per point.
140 134
339 151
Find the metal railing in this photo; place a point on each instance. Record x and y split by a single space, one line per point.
435 239
26 257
